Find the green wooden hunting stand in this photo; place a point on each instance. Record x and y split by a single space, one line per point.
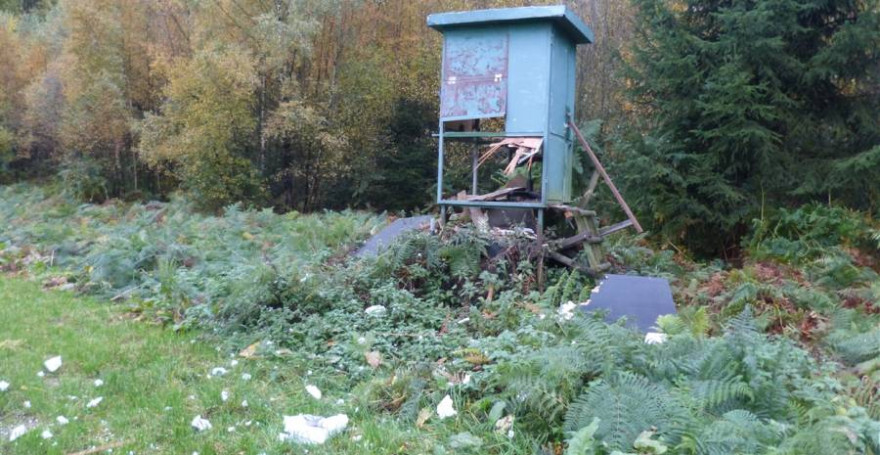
518 65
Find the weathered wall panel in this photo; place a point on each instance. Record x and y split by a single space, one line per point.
474 81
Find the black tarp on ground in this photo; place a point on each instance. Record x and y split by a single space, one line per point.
386 237
638 298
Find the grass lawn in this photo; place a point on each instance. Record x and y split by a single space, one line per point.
155 381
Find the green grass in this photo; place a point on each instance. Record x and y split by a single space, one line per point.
155 382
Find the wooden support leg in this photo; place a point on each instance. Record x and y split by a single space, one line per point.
540 250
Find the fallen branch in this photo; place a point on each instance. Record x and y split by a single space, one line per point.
98 449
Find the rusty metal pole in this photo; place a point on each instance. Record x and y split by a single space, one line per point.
601 170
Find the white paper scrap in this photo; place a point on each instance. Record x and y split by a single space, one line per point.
52 365
200 424
314 391
310 429
445 409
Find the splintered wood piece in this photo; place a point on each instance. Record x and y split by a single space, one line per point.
533 143
480 219
573 210
608 230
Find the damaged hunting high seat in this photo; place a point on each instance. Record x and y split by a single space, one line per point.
514 68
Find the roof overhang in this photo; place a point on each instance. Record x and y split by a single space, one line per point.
559 15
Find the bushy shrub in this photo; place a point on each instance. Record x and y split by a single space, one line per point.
743 392
808 232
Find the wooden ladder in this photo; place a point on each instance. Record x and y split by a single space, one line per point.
588 232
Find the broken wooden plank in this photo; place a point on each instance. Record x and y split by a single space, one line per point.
497 194
608 230
569 262
591 189
583 237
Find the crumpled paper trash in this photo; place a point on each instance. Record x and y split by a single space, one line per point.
566 311
376 310
53 364
311 429
314 392
201 424
17 432
445 409
655 338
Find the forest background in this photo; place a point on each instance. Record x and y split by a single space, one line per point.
708 112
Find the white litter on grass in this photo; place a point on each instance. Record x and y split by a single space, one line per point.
445 409
62 420
40 373
200 424
46 434
376 310
244 403
17 432
98 383
95 402
505 425
655 337
52 365
27 404
314 392
310 429
3 386
566 310
218 371
246 376
230 429
233 363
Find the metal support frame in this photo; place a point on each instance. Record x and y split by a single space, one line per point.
588 233
479 136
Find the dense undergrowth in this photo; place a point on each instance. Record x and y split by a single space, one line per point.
779 356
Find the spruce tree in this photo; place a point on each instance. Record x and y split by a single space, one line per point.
746 104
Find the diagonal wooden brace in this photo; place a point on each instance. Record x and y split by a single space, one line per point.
601 170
